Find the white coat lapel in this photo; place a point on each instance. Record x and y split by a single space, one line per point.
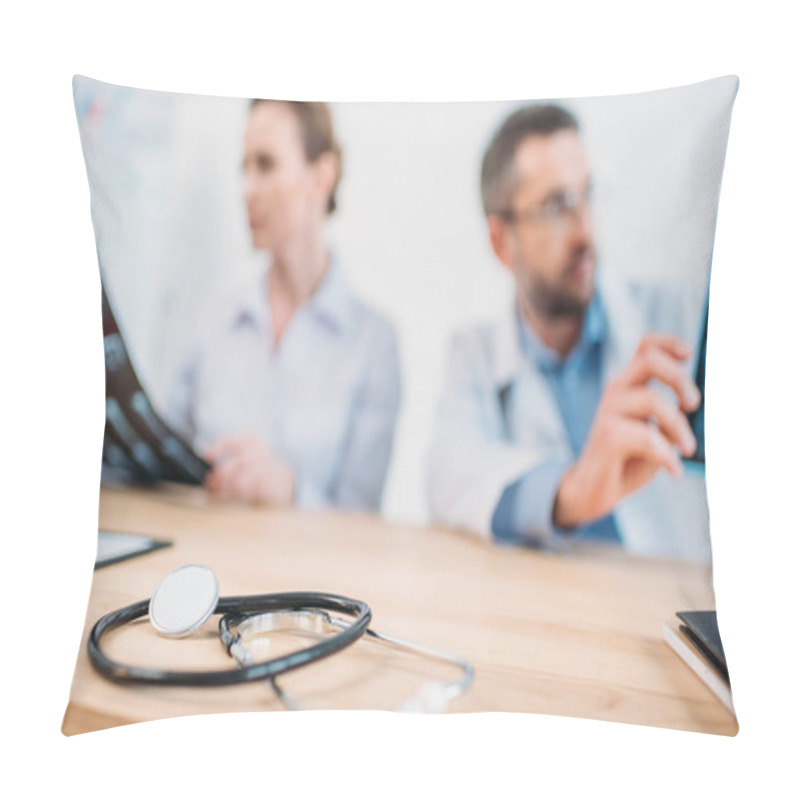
625 325
529 409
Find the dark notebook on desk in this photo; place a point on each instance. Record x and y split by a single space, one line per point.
698 643
701 628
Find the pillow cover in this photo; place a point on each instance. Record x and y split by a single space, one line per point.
435 369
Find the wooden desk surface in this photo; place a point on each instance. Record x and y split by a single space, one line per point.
576 635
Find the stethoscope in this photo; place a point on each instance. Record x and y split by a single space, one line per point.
187 597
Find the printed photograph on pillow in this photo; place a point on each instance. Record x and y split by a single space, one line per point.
404 406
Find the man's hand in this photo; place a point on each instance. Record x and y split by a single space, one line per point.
635 432
244 468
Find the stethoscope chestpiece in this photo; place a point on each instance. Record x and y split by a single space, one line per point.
184 600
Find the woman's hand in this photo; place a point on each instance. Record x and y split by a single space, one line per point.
244 468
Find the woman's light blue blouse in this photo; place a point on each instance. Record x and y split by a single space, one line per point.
325 399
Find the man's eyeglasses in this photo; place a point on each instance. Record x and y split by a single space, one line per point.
557 209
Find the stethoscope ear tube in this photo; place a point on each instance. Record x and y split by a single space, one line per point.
239 606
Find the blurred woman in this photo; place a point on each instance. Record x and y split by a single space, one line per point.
294 392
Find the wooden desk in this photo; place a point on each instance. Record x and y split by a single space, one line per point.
576 635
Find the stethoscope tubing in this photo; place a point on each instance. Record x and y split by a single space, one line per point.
454 688
239 606
231 625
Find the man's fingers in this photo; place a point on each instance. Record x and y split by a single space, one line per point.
655 363
640 440
669 344
645 404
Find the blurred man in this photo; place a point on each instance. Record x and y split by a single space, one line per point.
566 420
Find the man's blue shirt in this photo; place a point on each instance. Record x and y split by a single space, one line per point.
576 383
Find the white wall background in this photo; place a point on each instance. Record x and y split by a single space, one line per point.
409 228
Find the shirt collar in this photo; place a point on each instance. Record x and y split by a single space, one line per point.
252 305
592 333
331 302
516 342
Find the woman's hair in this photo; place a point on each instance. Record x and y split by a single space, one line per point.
316 130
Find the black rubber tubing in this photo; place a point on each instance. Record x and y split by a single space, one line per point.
241 605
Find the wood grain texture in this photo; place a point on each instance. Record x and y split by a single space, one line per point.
573 635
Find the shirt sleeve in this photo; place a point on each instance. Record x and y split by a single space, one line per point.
177 410
525 509
472 460
365 463
308 495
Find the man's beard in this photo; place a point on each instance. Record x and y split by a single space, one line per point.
558 301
